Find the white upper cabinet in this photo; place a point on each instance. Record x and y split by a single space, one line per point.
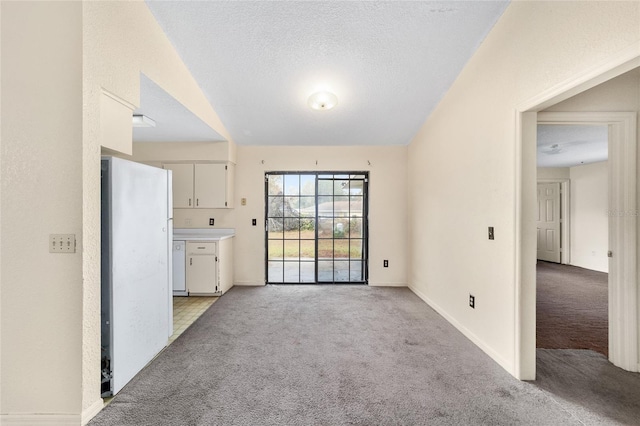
210 185
202 185
182 184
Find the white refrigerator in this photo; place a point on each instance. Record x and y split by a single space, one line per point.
136 252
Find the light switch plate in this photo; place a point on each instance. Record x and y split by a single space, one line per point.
62 243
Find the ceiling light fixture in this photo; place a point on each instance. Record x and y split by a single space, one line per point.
322 101
143 121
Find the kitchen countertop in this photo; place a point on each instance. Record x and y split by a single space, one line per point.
202 234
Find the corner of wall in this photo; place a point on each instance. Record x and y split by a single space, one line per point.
486 348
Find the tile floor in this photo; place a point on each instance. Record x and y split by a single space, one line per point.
186 310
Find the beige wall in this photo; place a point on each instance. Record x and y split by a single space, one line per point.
41 174
387 201
120 41
58 57
58 60
156 152
589 219
621 94
462 163
553 173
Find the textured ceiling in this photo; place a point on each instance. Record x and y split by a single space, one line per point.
389 63
174 122
567 146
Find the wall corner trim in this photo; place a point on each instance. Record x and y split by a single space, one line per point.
91 411
118 99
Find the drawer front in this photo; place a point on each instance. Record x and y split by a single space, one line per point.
201 248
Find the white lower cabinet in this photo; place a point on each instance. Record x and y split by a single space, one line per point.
209 267
202 268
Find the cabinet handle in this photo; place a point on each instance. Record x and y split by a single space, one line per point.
189 202
197 201
190 261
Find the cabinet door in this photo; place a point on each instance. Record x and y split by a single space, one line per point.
210 186
202 276
182 184
231 172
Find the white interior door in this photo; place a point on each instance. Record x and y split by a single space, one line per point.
548 222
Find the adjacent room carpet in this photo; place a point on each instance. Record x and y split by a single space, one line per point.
334 355
589 386
572 308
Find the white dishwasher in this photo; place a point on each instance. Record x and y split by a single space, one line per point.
179 268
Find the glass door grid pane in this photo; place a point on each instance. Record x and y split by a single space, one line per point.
316 228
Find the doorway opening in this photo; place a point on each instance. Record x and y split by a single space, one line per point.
572 235
316 228
622 291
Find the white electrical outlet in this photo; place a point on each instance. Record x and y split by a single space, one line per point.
62 243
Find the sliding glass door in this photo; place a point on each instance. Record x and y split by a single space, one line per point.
316 227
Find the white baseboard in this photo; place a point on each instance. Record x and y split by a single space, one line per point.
53 419
40 419
91 411
249 283
380 284
372 284
467 333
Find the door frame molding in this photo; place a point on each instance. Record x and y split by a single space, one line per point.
526 118
565 217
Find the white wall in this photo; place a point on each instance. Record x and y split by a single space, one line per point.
589 219
463 162
41 174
